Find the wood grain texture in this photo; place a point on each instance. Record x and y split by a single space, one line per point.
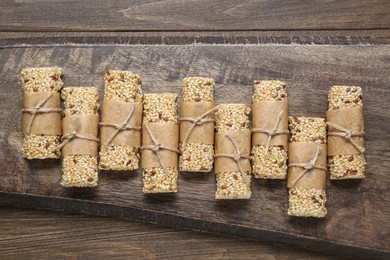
140 15
357 223
351 37
32 234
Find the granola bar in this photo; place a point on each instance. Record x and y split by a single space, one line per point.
307 202
80 170
233 119
37 84
197 147
270 163
159 109
120 86
350 164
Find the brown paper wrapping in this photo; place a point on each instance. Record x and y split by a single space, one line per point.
86 125
167 134
203 134
303 153
224 146
44 123
351 119
116 112
265 114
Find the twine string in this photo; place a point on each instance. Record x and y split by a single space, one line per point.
197 122
307 167
69 137
156 147
237 157
120 127
38 109
271 133
347 135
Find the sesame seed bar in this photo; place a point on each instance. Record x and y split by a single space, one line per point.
231 185
307 129
197 157
346 166
269 90
198 89
41 80
232 117
80 170
160 108
340 97
122 86
271 164
307 202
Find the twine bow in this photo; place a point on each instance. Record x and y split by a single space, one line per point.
237 157
347 135
156 147
38 109
120 127
271 133
68 137
197 122
312 164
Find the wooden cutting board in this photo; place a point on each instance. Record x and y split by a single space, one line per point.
358 217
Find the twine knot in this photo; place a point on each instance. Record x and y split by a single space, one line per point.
307 167
310 165
39 109
69 137
346 134
35 109
120 127
271 133
197 122
237 157
156 147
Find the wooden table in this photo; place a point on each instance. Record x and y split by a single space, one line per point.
32 233
45 234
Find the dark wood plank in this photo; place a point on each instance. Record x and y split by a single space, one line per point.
351 37
36 234
357 223
140 15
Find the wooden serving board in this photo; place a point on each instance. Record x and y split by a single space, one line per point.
358 217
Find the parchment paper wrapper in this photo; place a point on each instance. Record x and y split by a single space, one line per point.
265 115
303 153
116 112
167 134
351 119
86 125
44 123
203 134
224 146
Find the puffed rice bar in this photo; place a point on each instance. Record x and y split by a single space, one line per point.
41 80
160 108
196 156
80 170
271 164
231 185
346 166
123 86
307 202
